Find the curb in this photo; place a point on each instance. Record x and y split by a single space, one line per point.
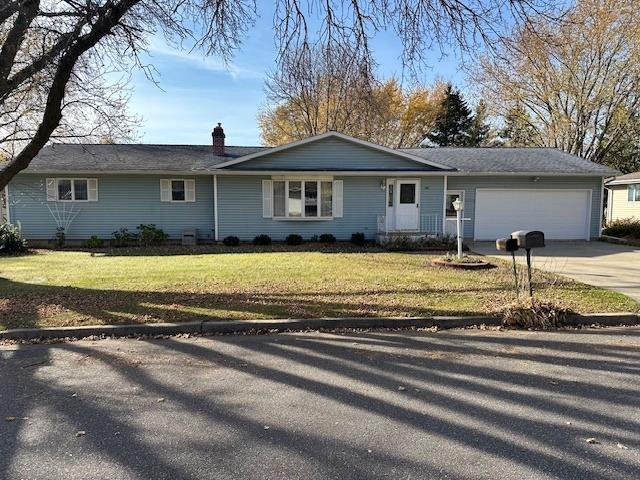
279 325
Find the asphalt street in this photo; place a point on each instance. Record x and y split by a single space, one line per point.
456 404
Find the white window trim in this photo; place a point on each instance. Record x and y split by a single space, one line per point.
185 180
73 189
303 180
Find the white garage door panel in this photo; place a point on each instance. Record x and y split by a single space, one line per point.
560 214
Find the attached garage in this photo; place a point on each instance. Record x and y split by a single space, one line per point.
560 214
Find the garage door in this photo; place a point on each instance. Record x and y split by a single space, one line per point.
560 214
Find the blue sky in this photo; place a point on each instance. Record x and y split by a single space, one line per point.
196 92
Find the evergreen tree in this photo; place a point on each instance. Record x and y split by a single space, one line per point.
518 130
479 129
453 122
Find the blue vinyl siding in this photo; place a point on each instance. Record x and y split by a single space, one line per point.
331 154
123 201
240 210
471 183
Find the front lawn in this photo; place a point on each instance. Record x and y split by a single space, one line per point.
79 288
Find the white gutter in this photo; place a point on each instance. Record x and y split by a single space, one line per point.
215 208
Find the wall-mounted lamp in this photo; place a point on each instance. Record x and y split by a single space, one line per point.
535 179
383 185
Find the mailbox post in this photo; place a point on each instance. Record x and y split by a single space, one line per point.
529 239
510 245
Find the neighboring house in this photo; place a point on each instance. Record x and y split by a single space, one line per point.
623 197
330 183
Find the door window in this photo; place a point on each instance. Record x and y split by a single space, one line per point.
407 193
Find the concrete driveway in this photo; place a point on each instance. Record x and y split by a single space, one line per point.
456 405
615 267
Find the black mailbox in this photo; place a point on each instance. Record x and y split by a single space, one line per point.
507 244
529 238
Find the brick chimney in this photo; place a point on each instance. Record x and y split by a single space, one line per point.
218 140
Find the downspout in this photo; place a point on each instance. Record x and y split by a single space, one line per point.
215 208
444 204
601 213
6 203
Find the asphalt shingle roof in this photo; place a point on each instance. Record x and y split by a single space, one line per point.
133 157
516 160
200 158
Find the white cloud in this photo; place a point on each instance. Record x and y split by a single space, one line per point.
158 47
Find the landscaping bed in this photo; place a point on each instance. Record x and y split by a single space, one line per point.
169 284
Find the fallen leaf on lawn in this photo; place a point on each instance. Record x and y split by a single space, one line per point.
266 427
369 450
402 389
624 447
10 419
592 441
74 395
160 400
80 433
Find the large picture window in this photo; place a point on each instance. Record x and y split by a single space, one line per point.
302 199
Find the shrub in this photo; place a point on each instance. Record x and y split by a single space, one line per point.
262 240
60 237
151 235
327 238
11 241
627 227
294 239
358 238
94 242
231 241
530 313
123 238
404 243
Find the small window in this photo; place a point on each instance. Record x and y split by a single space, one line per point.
80 190
279 201
177 191
295 199
310 199
407 193
64 190
633 193
326 198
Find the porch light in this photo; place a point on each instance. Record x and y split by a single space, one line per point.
383 185
457 205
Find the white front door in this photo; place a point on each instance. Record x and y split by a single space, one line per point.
407 205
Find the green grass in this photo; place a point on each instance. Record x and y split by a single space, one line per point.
78 288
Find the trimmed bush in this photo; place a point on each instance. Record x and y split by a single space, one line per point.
123 238
151 235
262 240
11 242
94 242
358 238
294 239
327 238
623 228
231 241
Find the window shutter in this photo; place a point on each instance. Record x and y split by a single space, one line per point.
92 188
337 198
190 190
165 190
267 198
52 193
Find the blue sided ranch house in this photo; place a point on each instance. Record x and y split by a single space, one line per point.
329 183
